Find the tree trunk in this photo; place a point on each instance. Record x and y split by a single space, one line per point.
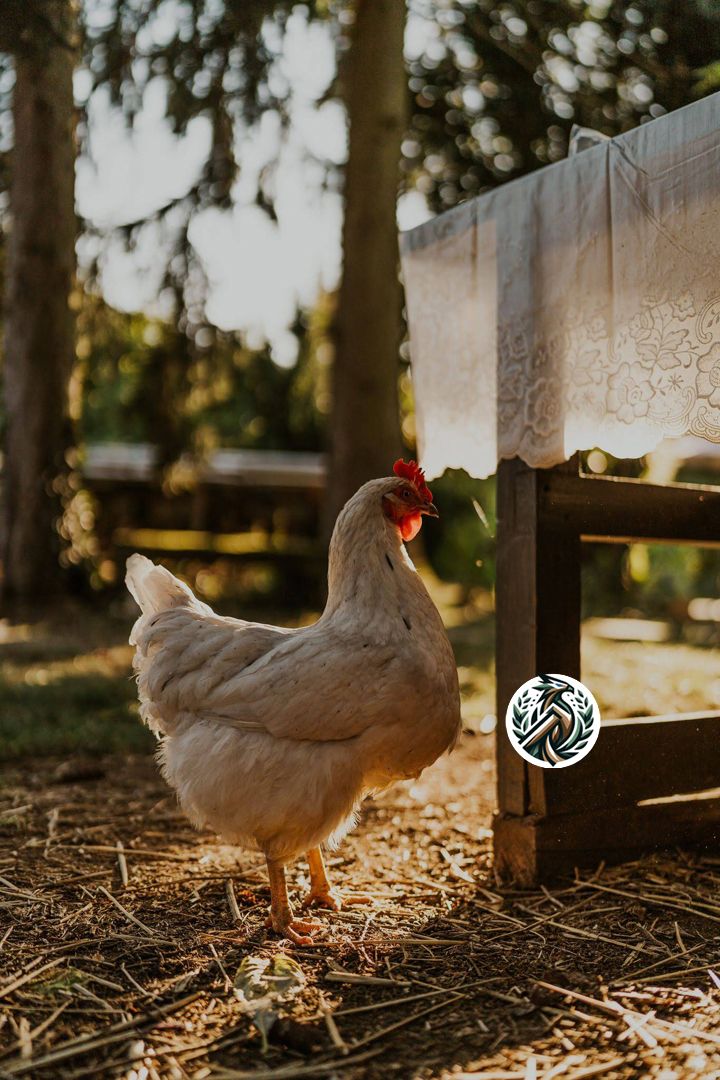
39 323
365 428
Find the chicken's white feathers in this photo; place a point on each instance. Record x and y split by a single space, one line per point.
274 735
155 589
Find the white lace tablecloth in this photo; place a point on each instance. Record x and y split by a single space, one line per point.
576 307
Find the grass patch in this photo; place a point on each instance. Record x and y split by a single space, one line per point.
76 713
66 688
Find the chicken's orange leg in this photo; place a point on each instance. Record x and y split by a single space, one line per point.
281 917
321 894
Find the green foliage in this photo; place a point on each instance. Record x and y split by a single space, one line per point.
709 78
143 382
659 579
115 352
246 400
461 545
497 86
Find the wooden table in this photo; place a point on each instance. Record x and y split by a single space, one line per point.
549 822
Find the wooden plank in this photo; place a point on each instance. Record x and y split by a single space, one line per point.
514 602
550 822
545 848
626 832
558 622
537 596
639 758
619 510
515 848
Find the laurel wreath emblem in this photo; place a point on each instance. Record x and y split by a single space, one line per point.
553 720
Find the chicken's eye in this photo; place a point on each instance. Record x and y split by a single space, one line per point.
406 494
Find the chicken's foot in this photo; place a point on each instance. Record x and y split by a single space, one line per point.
321 892
281 918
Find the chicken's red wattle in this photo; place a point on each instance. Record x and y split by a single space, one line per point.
410 525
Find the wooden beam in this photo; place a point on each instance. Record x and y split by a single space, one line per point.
642 758
549 822
515 849
537 600
535 848
514 592
619 510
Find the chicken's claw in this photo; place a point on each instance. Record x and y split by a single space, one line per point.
333 900
298 931
322 893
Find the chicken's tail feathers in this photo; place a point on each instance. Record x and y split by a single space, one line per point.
155 590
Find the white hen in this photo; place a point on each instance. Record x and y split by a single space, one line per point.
273 736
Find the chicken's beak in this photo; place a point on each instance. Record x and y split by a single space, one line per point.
430 509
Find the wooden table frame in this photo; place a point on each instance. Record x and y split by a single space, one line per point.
549 822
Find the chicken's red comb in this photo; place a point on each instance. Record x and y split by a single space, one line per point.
410 470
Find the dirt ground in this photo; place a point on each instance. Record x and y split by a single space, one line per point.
446 974
132 946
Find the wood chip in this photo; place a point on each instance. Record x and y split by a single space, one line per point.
122 864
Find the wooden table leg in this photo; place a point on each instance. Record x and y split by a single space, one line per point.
538 630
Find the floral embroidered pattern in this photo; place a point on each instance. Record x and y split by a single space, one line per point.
661 370
544 407
629 393
588 382
707 380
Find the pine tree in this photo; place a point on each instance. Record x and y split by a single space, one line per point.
40 267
